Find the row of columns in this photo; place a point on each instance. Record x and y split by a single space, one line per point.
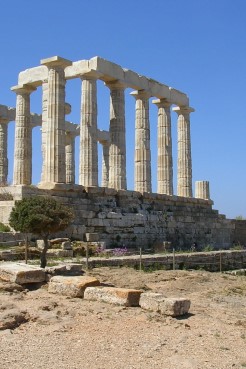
58 145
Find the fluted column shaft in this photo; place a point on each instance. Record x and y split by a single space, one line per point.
23 137
54 165
202 190
45 93
184 164
142 142
105 165
117 130
164 160
88 133
3 152
70 158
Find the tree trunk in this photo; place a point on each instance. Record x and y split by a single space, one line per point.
43 260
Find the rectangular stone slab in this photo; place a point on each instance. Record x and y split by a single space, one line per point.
112 295
21 273
164 305
71 286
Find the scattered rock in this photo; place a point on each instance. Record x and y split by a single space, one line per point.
119 296
12 319
21 273
71 286
166 306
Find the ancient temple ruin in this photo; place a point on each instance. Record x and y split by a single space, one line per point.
109 209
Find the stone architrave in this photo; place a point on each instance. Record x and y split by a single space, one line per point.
105 164
3 151
88 175
54 165
23 136
142 142
165 159
70 157
117 148
184 164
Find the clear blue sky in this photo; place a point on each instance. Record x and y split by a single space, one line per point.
196 46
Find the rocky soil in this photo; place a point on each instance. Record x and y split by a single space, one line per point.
41 330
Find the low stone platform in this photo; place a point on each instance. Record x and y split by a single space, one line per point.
166 306
21 273
112 295
71 286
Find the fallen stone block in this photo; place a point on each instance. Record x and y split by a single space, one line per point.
164 305
21 273
71 286
112 295
67 269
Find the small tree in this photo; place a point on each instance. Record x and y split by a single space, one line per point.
41 216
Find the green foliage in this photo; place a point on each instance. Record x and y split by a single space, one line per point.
42 216
239 217
4 228
208 248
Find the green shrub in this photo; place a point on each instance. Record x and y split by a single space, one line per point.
4 228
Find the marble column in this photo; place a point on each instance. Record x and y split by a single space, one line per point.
88 175
184 165
202 190
105 165
3 152
70 158
165 159
142 142
45 93
23 136
54 163
117 131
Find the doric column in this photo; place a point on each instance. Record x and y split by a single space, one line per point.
202 190
184 152
70 158
3 151
23 136
117 148
105 165
45 94
88 132
142 142
54 163
164 160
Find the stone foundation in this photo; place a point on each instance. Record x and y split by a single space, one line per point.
130 218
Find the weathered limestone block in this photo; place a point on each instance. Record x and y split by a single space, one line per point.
92 237
71 286
66 245
164 305
112 295
21 273
113 215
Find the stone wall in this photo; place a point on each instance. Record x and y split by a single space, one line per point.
132 218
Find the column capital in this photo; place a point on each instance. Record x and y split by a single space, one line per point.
141 94
23 89
93 75
115 85
56 62
183 109
162 103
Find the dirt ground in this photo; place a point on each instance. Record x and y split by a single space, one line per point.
58 332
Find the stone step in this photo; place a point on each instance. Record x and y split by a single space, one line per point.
113 295
71 286
21 273
164 305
